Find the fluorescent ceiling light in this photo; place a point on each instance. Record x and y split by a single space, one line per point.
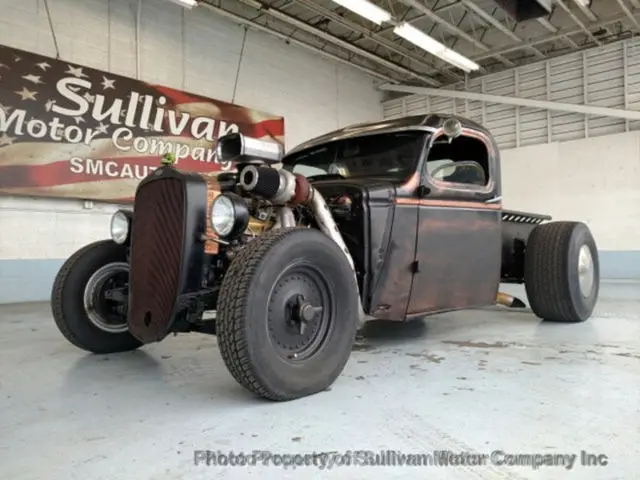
366 9
429 44
186 3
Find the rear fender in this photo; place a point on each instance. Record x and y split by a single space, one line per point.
516 228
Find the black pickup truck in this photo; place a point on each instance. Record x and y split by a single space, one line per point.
284 257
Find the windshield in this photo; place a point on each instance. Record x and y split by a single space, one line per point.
385 155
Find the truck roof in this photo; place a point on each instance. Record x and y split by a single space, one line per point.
427 122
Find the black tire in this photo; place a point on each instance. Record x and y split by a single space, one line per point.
261 277
551 274
67 300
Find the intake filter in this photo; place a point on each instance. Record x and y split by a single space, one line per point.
523 10
236 147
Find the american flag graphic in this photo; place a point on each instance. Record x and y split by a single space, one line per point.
76 132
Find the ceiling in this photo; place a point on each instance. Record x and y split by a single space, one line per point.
477 29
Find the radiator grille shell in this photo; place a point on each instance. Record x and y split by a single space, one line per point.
157 240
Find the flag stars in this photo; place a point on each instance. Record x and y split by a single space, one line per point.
33 79
78 120
26 94
107 83
102 129
89 98
49 105
17 59
4 108
76 72
43 66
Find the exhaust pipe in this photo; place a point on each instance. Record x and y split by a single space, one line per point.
509 301
239 148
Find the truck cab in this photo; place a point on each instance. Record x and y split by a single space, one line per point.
430 233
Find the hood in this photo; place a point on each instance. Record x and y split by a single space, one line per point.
368 182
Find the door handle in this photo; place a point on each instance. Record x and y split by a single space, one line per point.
422 191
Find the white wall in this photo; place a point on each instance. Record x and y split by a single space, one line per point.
596 180
196 51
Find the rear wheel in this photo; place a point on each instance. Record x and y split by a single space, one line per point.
287 314
562 271
85 302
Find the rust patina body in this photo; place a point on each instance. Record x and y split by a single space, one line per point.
283 258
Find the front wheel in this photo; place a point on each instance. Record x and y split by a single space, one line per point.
562 271
288 311
83 303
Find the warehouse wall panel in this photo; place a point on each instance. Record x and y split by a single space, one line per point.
192 50
607 76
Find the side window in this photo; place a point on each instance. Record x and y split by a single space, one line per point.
463 161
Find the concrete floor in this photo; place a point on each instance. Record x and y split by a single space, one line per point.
477 381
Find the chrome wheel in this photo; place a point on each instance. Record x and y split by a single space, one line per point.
106 314
585 270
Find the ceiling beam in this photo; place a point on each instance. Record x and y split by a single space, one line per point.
491 20
299 24
586 11
578 21
516 101
293 41
628 13
365 32
457 31
549 38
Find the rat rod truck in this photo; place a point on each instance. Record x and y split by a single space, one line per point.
392 220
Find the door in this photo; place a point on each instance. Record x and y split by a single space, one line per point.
458 245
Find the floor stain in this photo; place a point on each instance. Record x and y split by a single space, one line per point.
468 389
627 355
461 378
531 363
415 366
482 364
296 439
427 356
476 344
362 347
552 358
360 377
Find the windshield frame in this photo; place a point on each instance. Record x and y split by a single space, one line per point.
423 136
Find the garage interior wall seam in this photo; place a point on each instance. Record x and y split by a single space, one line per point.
314 94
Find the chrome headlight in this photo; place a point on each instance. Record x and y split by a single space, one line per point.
120 226
229 215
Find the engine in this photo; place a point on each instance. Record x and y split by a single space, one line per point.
260 197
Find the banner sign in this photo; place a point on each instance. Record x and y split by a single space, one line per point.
75 132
